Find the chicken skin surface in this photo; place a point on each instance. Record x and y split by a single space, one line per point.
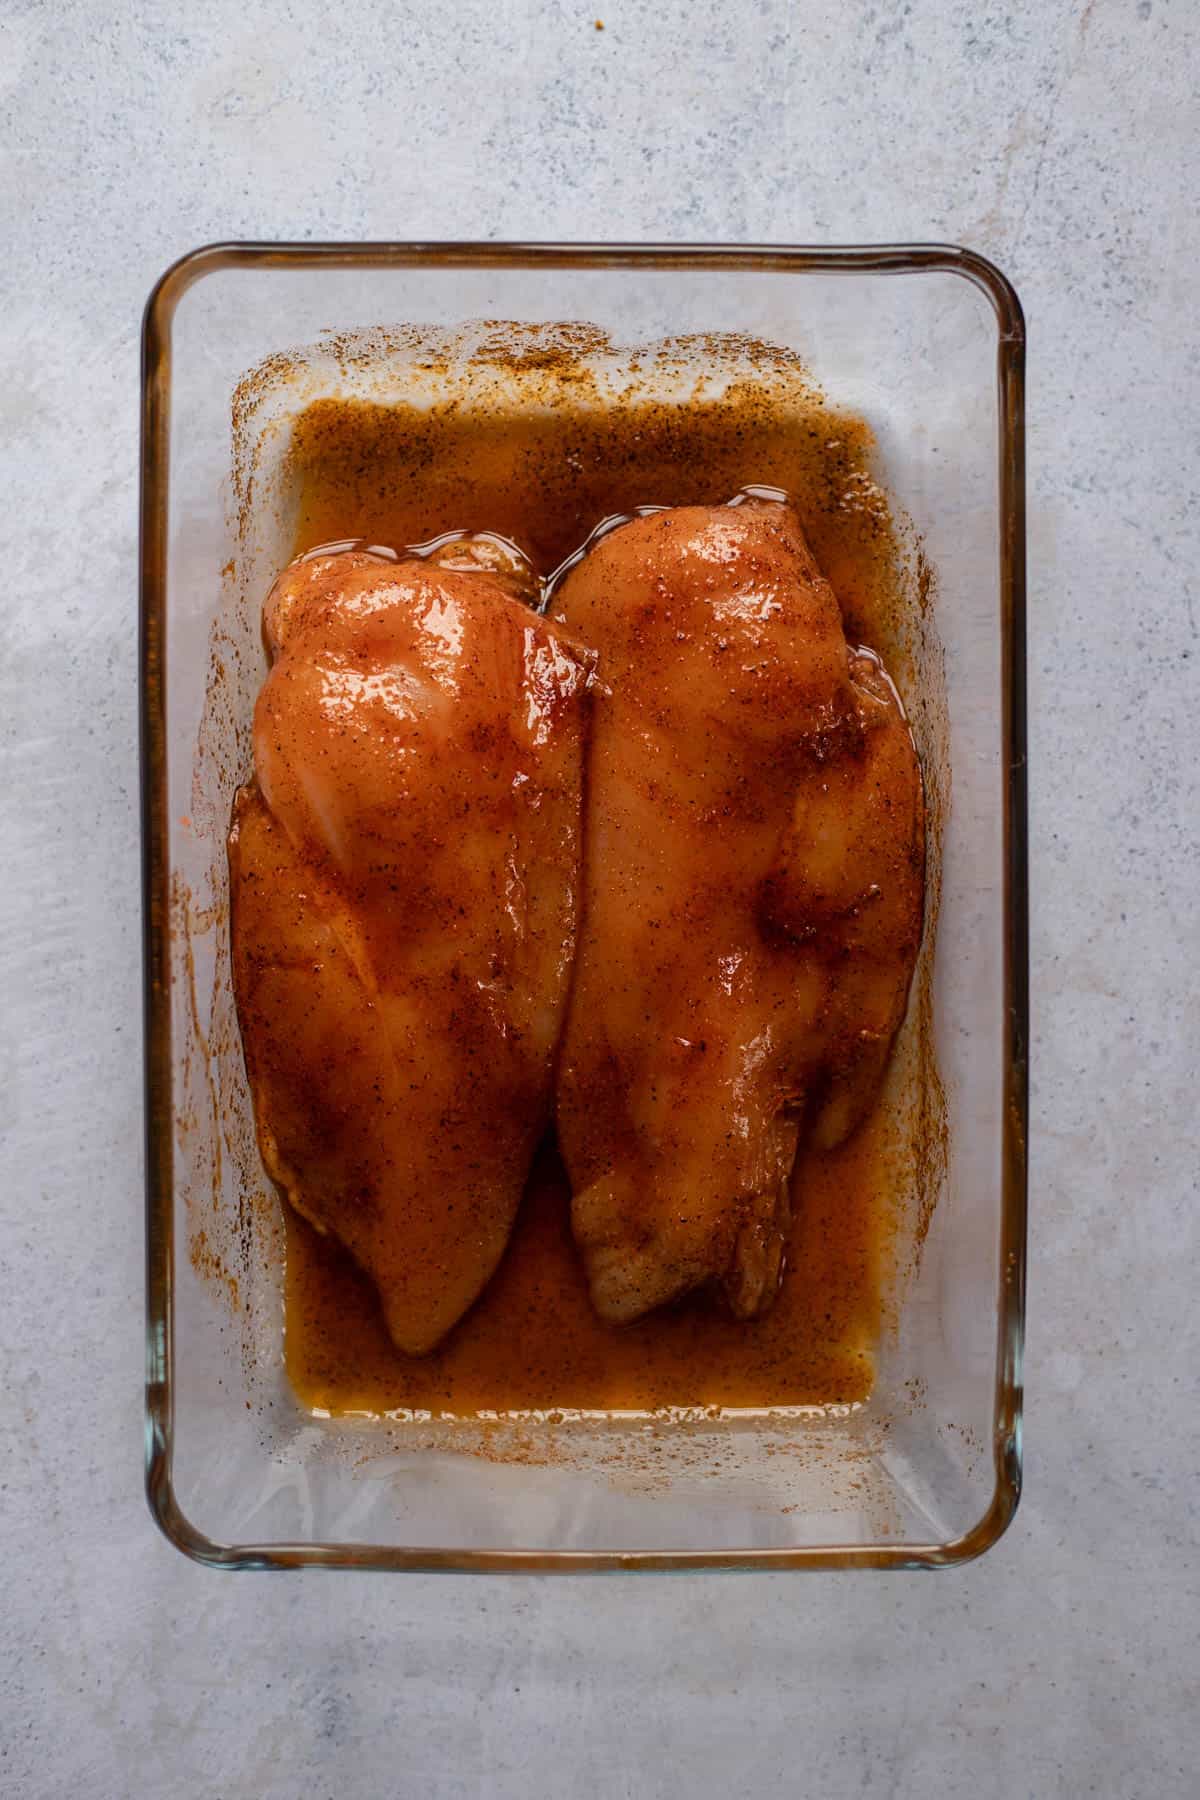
405 880
753 891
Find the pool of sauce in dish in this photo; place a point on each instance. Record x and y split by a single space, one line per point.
395 475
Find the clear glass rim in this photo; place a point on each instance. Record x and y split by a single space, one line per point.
868 259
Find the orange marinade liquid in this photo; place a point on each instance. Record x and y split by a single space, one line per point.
395 476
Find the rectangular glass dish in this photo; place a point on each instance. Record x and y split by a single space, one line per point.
924 343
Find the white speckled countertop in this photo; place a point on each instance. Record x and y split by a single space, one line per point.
1058 136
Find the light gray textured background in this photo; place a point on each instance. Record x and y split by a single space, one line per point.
1061 138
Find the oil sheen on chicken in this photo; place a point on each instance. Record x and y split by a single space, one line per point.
405 878
753 899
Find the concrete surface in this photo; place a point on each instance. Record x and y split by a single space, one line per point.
1061 138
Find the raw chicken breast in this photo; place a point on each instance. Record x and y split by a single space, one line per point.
753 899
405 877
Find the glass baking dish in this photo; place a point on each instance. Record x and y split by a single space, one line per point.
927 344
